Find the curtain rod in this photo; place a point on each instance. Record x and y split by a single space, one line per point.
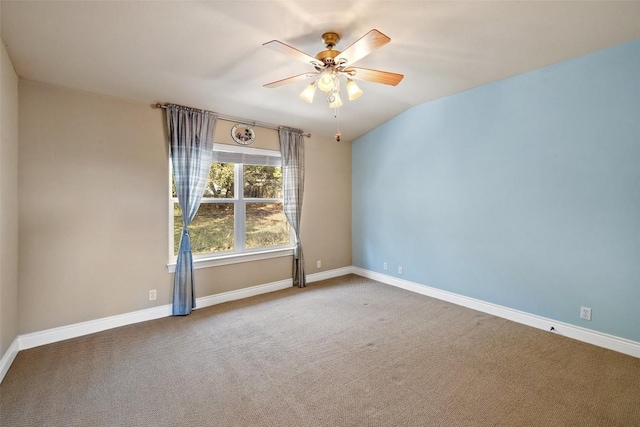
240 120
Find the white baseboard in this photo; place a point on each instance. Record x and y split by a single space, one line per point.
26 341
242 293
92 326
48 336
599 339
269 287
61 333
7 358
329 274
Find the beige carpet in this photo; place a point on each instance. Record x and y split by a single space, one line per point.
343 352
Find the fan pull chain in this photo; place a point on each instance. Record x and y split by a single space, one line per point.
338 133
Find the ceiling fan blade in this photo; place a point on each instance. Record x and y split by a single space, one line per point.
292 51
362 47
375 76
291 79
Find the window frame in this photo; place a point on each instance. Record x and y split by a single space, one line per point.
239 201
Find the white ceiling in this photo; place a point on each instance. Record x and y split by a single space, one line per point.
209 54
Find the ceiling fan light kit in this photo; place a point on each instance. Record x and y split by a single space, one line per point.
327 81
332 65
308 92
353 90
337 101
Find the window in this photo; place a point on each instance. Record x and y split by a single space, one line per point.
241 209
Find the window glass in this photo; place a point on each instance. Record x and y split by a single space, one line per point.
262 182
241 208
211 230
220 183
266 225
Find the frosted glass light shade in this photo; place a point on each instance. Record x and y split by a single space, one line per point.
337 102
308 92
353 90
325 82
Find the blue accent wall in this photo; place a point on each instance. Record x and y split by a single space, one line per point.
523 192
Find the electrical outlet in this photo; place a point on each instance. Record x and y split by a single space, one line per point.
585 313
152 295
399 269
318 264
384 266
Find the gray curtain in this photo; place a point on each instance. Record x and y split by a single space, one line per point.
292 150
191 150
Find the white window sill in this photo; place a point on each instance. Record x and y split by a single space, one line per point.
235 258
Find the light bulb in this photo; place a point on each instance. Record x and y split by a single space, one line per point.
337 102
308 92
353 90
325 82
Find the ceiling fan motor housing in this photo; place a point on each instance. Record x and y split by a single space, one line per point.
329 39
327 56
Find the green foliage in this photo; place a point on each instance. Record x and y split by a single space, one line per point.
220 181
266 225
264 182
212 228
261 182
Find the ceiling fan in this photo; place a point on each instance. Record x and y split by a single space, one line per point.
332 65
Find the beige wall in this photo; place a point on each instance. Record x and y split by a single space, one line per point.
8 202
93 209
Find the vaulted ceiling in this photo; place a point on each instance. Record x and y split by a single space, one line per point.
209 54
